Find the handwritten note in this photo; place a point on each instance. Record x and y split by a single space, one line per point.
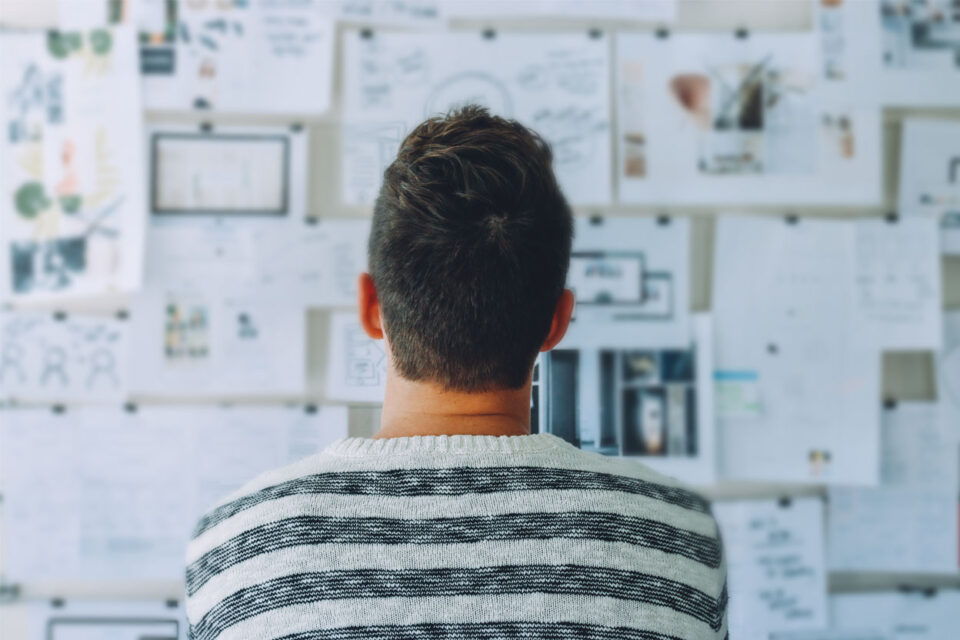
775 560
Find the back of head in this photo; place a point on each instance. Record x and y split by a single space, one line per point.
469 251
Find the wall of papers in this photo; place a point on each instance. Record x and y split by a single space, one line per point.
766 267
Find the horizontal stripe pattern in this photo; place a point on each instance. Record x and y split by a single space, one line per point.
484 631
453 482
339 557
494 581
313 530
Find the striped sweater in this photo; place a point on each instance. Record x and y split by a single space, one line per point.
445 537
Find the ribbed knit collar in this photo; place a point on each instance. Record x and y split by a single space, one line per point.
447 445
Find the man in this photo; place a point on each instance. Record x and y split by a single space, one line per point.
454 521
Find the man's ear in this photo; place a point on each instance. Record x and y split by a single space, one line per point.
561 320
369 307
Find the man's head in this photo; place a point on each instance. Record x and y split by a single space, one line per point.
469 253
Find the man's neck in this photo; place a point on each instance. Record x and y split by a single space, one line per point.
425 409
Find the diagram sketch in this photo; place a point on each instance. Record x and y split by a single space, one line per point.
117 492
71 192
741 121
556 84
630 280
52 358
227 171
357 364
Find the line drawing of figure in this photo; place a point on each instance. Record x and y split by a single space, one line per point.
103 365
54 365
12 358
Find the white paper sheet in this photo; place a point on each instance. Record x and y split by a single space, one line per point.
915 450
557 84
651 401
910 522
892 52
797 398
901 529
84 619
108 494
214 344
261 56
706 119
227 172
948 376
316 264
631 281
356 364
59 358
914 615
775 563
215 256
899 304
71 186
632 10
930 175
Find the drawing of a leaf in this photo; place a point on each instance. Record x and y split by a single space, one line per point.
30 199
101 41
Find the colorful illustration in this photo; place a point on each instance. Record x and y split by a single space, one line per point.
71 190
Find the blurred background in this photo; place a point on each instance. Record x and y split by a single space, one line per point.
766 266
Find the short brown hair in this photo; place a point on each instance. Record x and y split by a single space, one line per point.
469 250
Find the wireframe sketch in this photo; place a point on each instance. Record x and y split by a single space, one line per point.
220 173
44 357
607 277
71 162
366 360
555 84
921 34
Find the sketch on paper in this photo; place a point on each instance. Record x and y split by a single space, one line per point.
629 278
921 34
357 364
54 358
775 565
219 173
366 360
116 493
238 56
227 171
555 84
71 188
212 343
754 115
739 120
